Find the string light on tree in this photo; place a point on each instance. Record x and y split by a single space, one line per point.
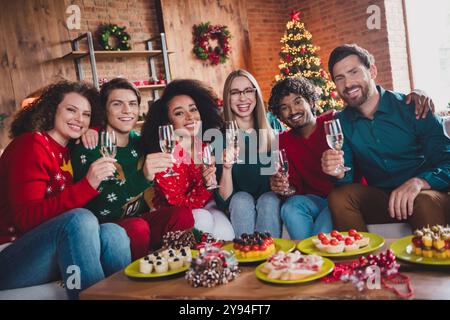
298 57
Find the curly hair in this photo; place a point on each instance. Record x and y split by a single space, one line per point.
40 114
204 98
297 85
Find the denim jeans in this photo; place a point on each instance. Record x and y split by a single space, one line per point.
58 247
247 217
306 215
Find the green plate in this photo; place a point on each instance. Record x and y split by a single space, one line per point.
133 270
376 242
327 267
403 249
280 244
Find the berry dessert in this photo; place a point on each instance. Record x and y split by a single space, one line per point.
292 265
165 260
212 267
256 245
335 242
432 242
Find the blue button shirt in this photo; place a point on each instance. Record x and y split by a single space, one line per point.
395 147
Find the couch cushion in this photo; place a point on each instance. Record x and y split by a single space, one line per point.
48 291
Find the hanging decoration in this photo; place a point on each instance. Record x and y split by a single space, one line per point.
203 33
106 31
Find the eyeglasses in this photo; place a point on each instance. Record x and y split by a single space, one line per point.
248 93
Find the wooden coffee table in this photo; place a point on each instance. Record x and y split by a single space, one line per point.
428 283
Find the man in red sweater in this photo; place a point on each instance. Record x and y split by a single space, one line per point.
306 213
293 101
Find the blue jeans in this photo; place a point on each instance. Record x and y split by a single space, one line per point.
246 217
305 216
73 238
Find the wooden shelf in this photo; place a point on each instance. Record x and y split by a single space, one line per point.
152 86
114 54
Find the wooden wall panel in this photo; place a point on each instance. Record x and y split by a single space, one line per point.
35 36
179 18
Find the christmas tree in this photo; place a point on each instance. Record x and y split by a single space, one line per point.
298 57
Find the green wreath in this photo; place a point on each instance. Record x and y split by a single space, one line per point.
203 50
112 30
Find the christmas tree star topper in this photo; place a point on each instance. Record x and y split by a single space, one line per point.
295 15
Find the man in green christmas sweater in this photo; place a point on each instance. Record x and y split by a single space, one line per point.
125 199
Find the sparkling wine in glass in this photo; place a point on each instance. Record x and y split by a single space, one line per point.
232 136
284 170
167 141
335 140
208 161
108 146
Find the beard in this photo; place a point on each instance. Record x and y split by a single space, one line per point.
356 101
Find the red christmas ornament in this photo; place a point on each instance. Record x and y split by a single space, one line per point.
333 94
288 57
295 15
302 50
285 71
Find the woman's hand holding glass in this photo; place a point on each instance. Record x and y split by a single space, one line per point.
209 168
155 163
167 141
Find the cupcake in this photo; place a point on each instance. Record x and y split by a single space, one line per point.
175 263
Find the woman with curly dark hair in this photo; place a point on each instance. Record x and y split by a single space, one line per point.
189 106
44 232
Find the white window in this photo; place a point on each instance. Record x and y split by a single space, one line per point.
429 40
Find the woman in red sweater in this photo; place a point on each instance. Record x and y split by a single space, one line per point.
44 232
191 108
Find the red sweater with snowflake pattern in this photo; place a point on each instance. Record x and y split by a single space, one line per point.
36 184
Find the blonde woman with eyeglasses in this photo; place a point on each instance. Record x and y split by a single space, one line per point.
244 187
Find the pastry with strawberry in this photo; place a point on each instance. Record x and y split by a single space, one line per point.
336 242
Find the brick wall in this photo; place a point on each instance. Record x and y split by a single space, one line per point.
266 20
331 23
140 19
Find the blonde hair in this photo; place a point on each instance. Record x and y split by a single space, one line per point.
259 113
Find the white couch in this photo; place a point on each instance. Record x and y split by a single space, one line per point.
48 291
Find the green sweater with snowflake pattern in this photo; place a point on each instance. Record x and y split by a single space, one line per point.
123 196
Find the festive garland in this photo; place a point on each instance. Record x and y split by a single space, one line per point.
112 30
203 50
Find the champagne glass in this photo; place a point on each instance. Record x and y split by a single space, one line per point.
207 159
232 137
108 146
167 141
335 140
284 170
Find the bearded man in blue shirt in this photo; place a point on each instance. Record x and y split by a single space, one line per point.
404 158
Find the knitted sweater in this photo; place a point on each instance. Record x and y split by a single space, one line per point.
36 184
120 197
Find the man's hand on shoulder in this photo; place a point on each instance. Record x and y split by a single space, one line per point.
422 102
